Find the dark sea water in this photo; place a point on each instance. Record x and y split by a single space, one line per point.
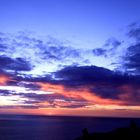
20 127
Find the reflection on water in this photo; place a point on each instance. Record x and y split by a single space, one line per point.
19 127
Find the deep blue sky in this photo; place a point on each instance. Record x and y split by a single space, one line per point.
86 23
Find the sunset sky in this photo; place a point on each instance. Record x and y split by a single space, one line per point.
70 57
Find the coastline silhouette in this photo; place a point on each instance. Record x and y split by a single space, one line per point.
132 132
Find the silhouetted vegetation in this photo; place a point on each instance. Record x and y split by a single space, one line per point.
127 133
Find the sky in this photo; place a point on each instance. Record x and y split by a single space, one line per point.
70 57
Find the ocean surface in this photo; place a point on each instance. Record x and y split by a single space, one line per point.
27 127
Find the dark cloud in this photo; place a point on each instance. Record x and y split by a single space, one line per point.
5 93
131 60
28 85
134 31
29 79
2 47
17 64
99 51
73 105
108 91
90 75
108 48
102 82
38 98
59 52
4 61
19 106
53 100
80 75
113 43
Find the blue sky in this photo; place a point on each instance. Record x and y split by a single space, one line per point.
86 23
70 55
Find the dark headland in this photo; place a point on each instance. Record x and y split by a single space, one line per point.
124 133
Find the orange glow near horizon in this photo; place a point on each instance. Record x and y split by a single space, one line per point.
96 105
73 112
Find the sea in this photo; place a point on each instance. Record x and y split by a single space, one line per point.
31 127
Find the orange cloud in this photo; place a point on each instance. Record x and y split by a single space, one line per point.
4 79
82 93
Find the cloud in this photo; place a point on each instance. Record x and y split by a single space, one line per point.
99 51
112 43
134 31
80 75
102 83
2 47
80 94
17 64
4 79
33 55
108 48
53 100
77 86
26 80
131 60
60 53
108 91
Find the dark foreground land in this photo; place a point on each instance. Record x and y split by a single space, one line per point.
126 133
